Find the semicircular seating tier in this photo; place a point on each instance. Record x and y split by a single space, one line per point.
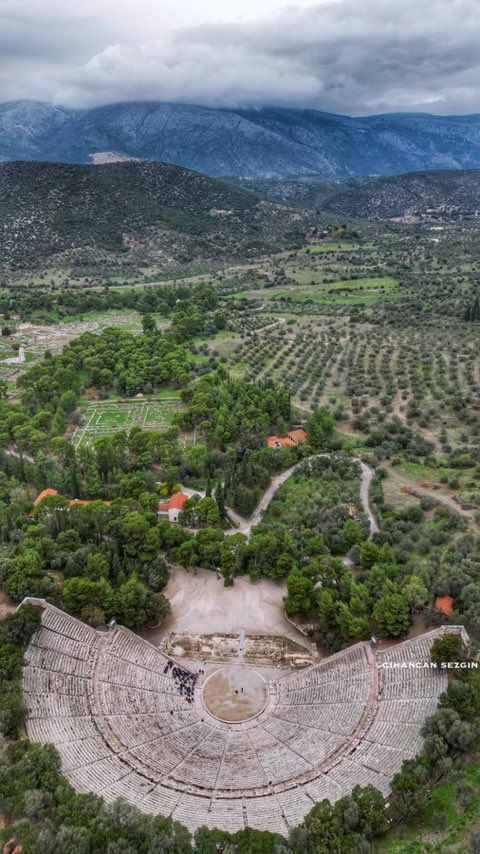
111 706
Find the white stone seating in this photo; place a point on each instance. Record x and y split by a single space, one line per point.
136 729
76 754
327 693
133 787
350 772
160 799
338 668
340 718
415 689
129 647
62 728
404 737
264 813
170 750
51 660
38 681
48 639
240 767
295 804
98 776
192 810
64 624
407 711
278 762
54 706
226 813
381 758
202 765
323 788
313 746
123 727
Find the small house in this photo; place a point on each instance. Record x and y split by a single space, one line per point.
294 437
297 436
72 502
172 508
278 442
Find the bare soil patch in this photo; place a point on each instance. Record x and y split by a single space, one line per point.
235 694
201 605
6 607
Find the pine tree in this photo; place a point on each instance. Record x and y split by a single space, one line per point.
208 485
472 311
220 497
476 309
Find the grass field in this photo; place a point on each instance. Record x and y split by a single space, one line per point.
103 419
310 288
444 826
312 278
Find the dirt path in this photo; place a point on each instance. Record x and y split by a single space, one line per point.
367 477
265 500
13 453
245 525
272 325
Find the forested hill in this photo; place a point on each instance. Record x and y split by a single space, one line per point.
442 193
146 212
271 141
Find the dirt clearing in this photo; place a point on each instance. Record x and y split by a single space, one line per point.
202 605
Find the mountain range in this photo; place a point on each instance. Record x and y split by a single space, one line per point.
266 142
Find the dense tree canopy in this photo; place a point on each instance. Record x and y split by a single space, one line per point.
231 411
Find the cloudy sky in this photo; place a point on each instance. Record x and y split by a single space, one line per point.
348 56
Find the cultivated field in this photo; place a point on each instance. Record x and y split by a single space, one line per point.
356 326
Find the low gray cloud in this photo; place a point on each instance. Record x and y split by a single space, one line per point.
42 40
347 56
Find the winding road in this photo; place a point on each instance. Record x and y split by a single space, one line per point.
244 526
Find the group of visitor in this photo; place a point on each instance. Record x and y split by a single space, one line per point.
184 680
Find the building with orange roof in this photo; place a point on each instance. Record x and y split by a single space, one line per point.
172 508
294 437
298 436
72 502
45 493
278 442
445 605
